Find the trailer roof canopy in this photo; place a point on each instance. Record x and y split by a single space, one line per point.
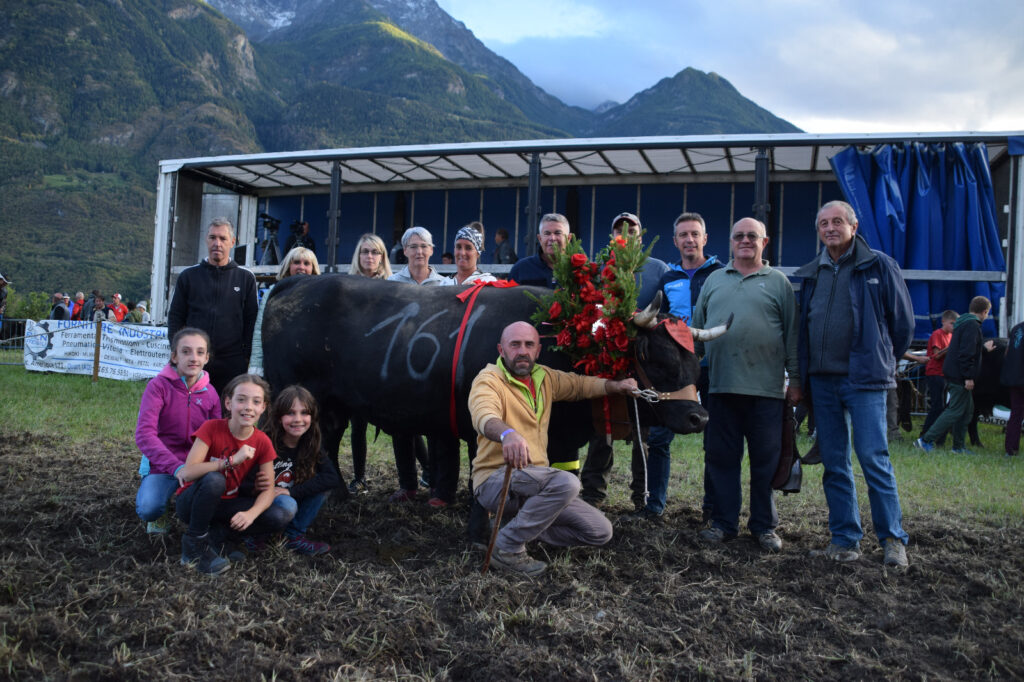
697 158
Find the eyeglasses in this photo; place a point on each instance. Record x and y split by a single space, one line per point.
749 236
370 252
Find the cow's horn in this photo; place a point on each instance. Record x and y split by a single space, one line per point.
648 317
713 333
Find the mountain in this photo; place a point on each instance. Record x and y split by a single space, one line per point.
690 102
94 93
294 21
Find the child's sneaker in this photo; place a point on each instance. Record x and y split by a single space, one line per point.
300 544
161 526
196 551
255 544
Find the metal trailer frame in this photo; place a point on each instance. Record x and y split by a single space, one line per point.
531 165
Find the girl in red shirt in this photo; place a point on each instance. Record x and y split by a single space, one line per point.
224 451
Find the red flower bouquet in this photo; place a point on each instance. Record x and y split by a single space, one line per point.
590 313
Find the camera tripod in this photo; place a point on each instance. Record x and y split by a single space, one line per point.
271 255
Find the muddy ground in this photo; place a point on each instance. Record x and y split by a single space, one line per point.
87 595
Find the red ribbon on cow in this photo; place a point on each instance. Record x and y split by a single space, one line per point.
471 293
680 331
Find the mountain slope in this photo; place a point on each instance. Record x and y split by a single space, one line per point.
276 21
691 102
92 95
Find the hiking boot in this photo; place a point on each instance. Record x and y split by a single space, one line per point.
895 553
196 551
837 553
922 444
402 495
714 535
642 514
436 503
358 486
161 526
300 544
769 541
519 562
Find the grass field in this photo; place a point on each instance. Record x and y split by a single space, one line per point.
86 594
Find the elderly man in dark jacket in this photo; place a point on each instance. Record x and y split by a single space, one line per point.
960 368
856 319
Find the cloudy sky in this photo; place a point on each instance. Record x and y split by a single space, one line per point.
825 66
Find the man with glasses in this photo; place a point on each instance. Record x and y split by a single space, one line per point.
747 383
856 318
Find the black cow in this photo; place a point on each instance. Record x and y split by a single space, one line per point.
988 390
383 351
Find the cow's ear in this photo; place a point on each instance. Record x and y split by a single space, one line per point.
641 347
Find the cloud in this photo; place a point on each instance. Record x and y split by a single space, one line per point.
825 65
506 23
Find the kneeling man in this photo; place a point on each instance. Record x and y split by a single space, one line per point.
510 404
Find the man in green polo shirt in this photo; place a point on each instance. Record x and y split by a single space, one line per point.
747 383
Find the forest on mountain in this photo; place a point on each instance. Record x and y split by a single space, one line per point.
94 94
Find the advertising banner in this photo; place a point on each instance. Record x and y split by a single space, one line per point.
130 352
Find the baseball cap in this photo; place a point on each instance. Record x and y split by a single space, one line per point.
627 217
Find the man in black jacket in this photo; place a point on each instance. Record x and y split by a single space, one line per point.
960 368
59 311
220 298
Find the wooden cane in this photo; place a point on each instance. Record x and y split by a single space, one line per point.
497 517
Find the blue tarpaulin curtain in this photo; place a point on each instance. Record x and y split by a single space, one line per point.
931 207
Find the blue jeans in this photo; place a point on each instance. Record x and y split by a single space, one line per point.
733 418
834 399
659 460
303 512
154 493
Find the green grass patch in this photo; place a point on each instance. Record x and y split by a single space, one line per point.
68 406
985 485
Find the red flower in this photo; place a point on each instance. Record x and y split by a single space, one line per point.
564 337
608 274
621 343
583 341
619 241
578 260
555 311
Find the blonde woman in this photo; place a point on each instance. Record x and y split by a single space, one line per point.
298 261
370 258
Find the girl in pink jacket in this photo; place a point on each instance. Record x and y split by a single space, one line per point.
175 403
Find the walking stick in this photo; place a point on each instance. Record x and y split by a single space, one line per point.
497 517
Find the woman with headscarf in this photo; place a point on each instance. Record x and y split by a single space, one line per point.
468 244
298 261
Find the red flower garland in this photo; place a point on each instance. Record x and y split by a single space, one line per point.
591 311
